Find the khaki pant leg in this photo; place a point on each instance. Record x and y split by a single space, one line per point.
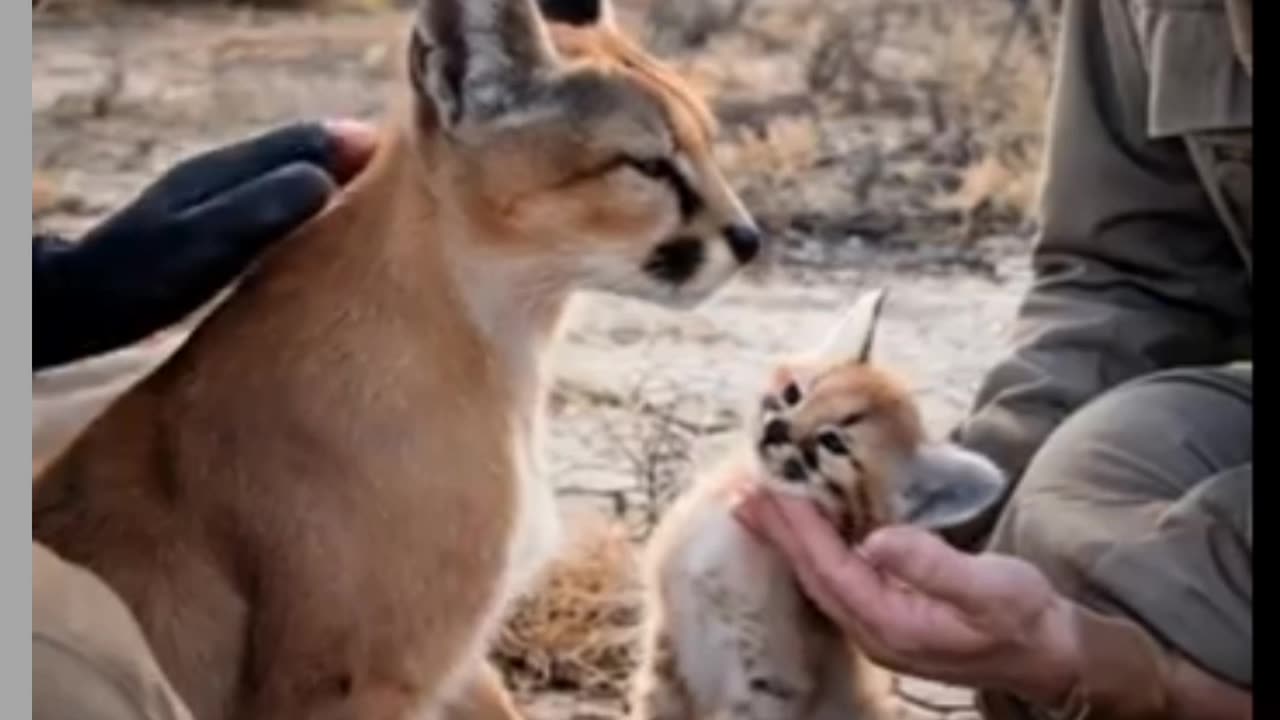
1141 505
88 656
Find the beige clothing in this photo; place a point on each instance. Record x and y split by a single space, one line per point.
1124 410
89 660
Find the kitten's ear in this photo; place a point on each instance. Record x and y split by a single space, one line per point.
945 485
479 62
853 337
578 12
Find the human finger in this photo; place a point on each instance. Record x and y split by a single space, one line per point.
930 566
842 570
780 534
356 143
199 178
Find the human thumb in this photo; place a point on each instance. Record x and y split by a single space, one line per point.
923 561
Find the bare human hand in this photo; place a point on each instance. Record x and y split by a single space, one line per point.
916 605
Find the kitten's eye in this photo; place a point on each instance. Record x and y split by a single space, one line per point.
853 418
791 394
658 168
831 441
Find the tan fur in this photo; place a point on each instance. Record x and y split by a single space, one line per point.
485 699
321 504
728 633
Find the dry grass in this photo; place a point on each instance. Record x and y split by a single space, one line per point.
832 110
1003 100
783 147
928 112
577 631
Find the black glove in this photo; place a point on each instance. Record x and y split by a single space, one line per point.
177 245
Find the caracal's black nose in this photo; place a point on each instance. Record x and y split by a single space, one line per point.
744 242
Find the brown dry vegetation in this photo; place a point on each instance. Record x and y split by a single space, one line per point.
576 634
880 119
869 123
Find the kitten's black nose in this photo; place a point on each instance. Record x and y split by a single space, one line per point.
777 432
794 471
744 242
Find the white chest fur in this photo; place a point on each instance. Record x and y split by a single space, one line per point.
536 531
518 318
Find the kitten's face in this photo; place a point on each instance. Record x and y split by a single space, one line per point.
845 433
837 433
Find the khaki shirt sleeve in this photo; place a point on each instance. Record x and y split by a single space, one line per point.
1134 271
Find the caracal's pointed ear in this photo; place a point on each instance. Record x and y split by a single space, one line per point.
579 12
479 62
852 339
945 486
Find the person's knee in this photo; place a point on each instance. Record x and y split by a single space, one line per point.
1157 436
1103 475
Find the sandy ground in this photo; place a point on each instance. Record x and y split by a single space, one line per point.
644 395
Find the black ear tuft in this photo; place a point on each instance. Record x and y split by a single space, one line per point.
572 12
477 61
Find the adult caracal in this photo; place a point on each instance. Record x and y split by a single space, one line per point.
320 505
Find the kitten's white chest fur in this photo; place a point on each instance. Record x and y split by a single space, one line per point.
725 589
744 639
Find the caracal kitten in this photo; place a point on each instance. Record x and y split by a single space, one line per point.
729 634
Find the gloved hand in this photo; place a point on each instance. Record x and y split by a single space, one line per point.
185 238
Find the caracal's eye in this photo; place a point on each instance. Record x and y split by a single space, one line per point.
853 418
791 394
658 168
831 441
